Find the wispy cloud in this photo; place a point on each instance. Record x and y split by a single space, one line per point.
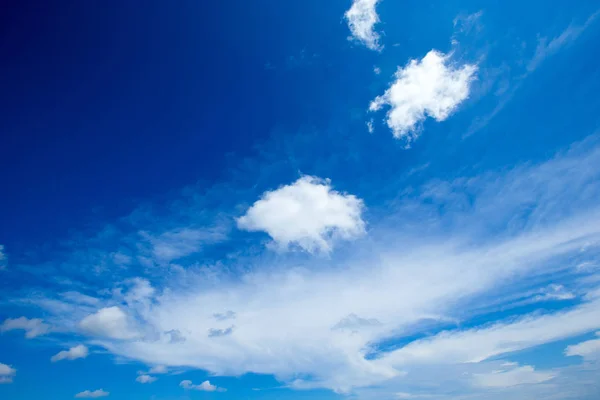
91 394
7 373
33 327
79 351
205 386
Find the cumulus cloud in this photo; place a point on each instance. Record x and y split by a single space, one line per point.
7 373
308 213
362 18
110 322
79 351
431 87
91 394
33 327
503 378
205 386
332 319
145 379
588 349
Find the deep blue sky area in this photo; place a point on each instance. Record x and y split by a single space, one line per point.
294 199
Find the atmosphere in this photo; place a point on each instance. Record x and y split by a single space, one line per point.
300 199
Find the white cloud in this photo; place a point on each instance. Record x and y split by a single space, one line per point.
588 349
145 379
429 87
110 322
158 369
180 243
79 351
326 317
205 386
362 18
7 373
307 213
92 394
525 375
33 327
547 48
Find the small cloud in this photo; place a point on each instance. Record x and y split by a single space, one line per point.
110 322
91 394
145 379
33 327
220 332
175 336
224 316
589 349
3 258
7 373
362 18
430 87
525 375
554 292
73 353
370 127
353 321
205 386
308 213
377 70
158 369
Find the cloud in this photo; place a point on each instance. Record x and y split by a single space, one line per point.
525 375
92 394
175 244
7 373
158 369
33 327
308 213
2 258
205 386
79 351
220 332
362 18
224 316
145 379
430 87
547 48
589 349
392 309
110 322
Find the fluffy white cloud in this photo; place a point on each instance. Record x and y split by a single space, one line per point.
33 327
587 349
7 373
326 318
79 351
92 394
145 379
362 18
512 376
431 87
307 213
110 322
205 386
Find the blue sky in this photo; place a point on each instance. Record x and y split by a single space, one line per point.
368 199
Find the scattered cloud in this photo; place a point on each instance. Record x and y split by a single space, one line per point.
431 87
547 48
588 349
362 18
525 375
220 332
308 213
224 316
2 258
79 351
205 386
91 394
33 327
158 369
145 379
110 322
7 373
179 243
